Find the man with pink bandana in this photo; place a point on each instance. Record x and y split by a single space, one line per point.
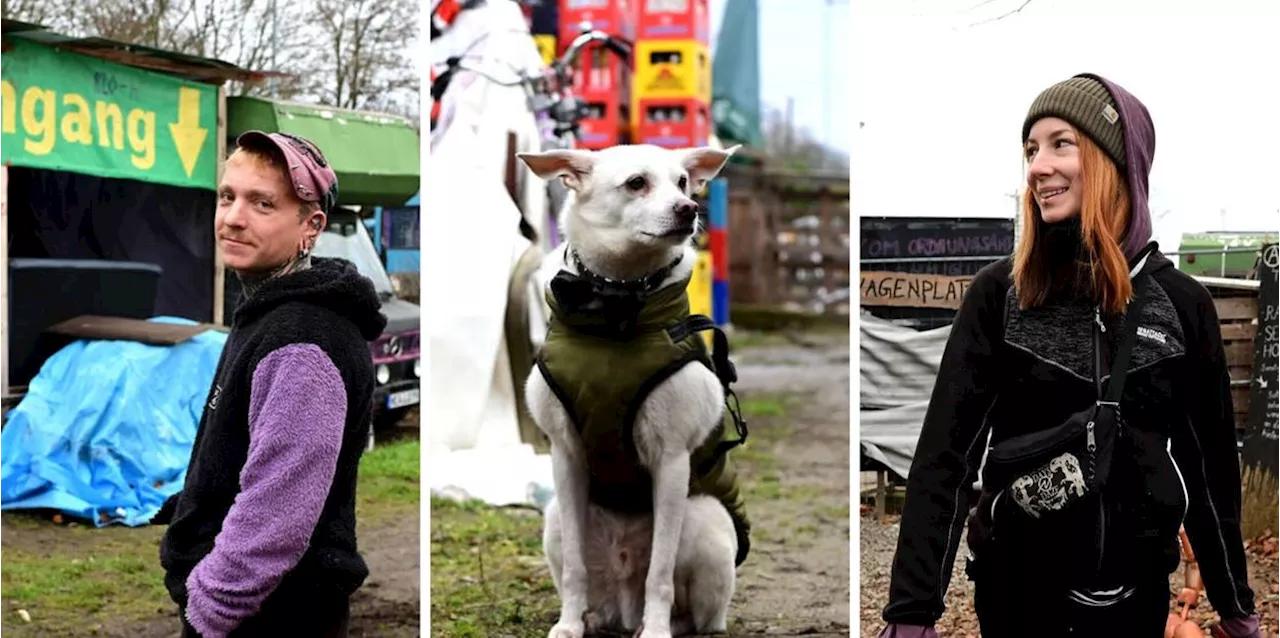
262 536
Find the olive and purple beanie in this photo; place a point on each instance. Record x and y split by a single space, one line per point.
1120 125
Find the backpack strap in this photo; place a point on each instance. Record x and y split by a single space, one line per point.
694 324
1120 366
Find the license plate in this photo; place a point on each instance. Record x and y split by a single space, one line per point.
403 398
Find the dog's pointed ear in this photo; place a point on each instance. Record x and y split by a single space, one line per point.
572 166
704 163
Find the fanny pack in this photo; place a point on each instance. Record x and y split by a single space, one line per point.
1055 477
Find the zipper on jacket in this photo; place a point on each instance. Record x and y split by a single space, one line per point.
1097 385
1092 445
1186 498
1097 350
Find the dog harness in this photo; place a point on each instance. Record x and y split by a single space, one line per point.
605 351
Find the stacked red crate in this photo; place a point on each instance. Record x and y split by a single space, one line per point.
674 20
601 80
615 17
671 96
673 122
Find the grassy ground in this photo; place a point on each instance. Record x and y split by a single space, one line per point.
71 577
488 577
744 339
488 574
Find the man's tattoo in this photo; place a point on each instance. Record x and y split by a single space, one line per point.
252 282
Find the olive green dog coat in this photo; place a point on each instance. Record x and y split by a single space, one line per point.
602 381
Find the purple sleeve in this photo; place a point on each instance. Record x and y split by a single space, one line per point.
297 412
1246 627
894 630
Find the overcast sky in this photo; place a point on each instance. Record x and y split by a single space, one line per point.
796 62
943 101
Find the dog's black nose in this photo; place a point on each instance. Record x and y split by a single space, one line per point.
687 212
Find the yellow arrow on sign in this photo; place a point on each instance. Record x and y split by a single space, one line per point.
188 137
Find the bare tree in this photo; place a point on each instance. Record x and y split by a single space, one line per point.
368 63
152 23
795 148
1022 5
231 31
262 35
341 53
35 11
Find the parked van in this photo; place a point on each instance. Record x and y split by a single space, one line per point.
397 364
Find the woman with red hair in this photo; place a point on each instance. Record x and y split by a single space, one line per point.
1090 374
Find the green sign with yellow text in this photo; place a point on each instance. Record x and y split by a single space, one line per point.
70 112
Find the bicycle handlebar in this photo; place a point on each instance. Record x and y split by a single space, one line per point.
565 110
618 49
574 49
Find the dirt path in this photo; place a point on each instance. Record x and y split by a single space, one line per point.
796 580
879 539
388 604
390 601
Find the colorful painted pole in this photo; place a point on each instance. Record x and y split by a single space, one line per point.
717 231
699 288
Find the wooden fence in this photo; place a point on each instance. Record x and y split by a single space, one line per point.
1237 309
789 239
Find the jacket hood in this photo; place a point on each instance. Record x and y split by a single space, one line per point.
329 283
1139 150
1156 260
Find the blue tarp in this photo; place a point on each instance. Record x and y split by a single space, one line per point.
105 430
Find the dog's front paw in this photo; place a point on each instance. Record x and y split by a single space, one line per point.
567 629
593 623
646 632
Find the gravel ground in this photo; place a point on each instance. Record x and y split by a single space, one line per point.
797 581
879 540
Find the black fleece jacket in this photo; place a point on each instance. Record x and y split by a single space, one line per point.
268 506
1002 364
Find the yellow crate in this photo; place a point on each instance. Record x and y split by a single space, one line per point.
658 76
546 47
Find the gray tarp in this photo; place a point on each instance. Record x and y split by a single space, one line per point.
898 367
889 436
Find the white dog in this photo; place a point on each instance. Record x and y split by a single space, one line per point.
668 569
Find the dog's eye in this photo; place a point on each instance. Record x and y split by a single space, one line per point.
636 183
683 183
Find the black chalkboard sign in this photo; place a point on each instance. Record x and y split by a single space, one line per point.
923 244
940 246
1261 454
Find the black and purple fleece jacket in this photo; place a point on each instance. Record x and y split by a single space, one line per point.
268 507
